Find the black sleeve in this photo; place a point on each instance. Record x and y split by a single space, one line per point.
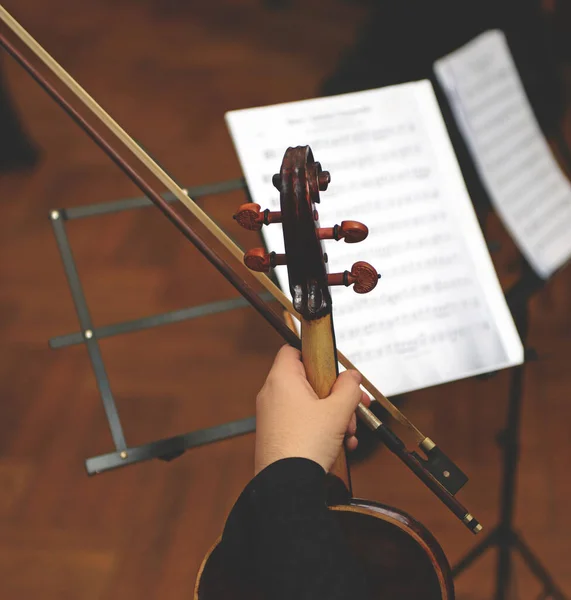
282 534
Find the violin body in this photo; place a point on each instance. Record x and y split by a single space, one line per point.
400 556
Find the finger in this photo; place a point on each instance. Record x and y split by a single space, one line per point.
352 427
288 360
287 354
365 399
346 393
351 443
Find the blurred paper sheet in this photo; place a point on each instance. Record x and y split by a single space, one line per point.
438 313
525 183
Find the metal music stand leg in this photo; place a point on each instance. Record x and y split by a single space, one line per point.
504 536
509 439
163 449
58 223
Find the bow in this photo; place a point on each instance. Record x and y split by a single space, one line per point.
434 469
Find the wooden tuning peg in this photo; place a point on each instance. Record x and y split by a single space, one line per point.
257 259
362 276
250 216
351 231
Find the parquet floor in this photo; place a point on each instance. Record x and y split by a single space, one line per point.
167 71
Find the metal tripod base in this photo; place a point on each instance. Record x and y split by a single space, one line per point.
504 537
508 541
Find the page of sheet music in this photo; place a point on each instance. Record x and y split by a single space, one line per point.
525 183
438 313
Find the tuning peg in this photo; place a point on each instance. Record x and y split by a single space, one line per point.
250 216
362 275
351 231
257 259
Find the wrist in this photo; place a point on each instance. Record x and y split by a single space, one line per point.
270 459
317 448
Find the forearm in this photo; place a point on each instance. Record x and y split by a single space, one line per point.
283 534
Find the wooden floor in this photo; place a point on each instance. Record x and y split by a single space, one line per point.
167 71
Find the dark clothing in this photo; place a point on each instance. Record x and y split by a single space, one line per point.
281 534
401 39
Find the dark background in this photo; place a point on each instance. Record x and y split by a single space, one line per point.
167 71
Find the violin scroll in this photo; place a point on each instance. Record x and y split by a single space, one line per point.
323 179
299 182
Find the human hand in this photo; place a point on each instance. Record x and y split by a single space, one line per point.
291 421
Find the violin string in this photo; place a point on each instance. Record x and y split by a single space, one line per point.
79 92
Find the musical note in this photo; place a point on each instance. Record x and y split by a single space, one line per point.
393 168
526 185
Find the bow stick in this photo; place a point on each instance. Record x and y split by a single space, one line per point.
436 471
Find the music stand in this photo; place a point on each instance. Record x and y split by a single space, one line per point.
167 448
504 536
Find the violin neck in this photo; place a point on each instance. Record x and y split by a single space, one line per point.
319 357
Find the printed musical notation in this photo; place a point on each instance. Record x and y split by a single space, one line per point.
522 177
438 313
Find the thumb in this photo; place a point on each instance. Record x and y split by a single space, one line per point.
346 392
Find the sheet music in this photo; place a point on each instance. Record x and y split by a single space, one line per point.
438 313
525 183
